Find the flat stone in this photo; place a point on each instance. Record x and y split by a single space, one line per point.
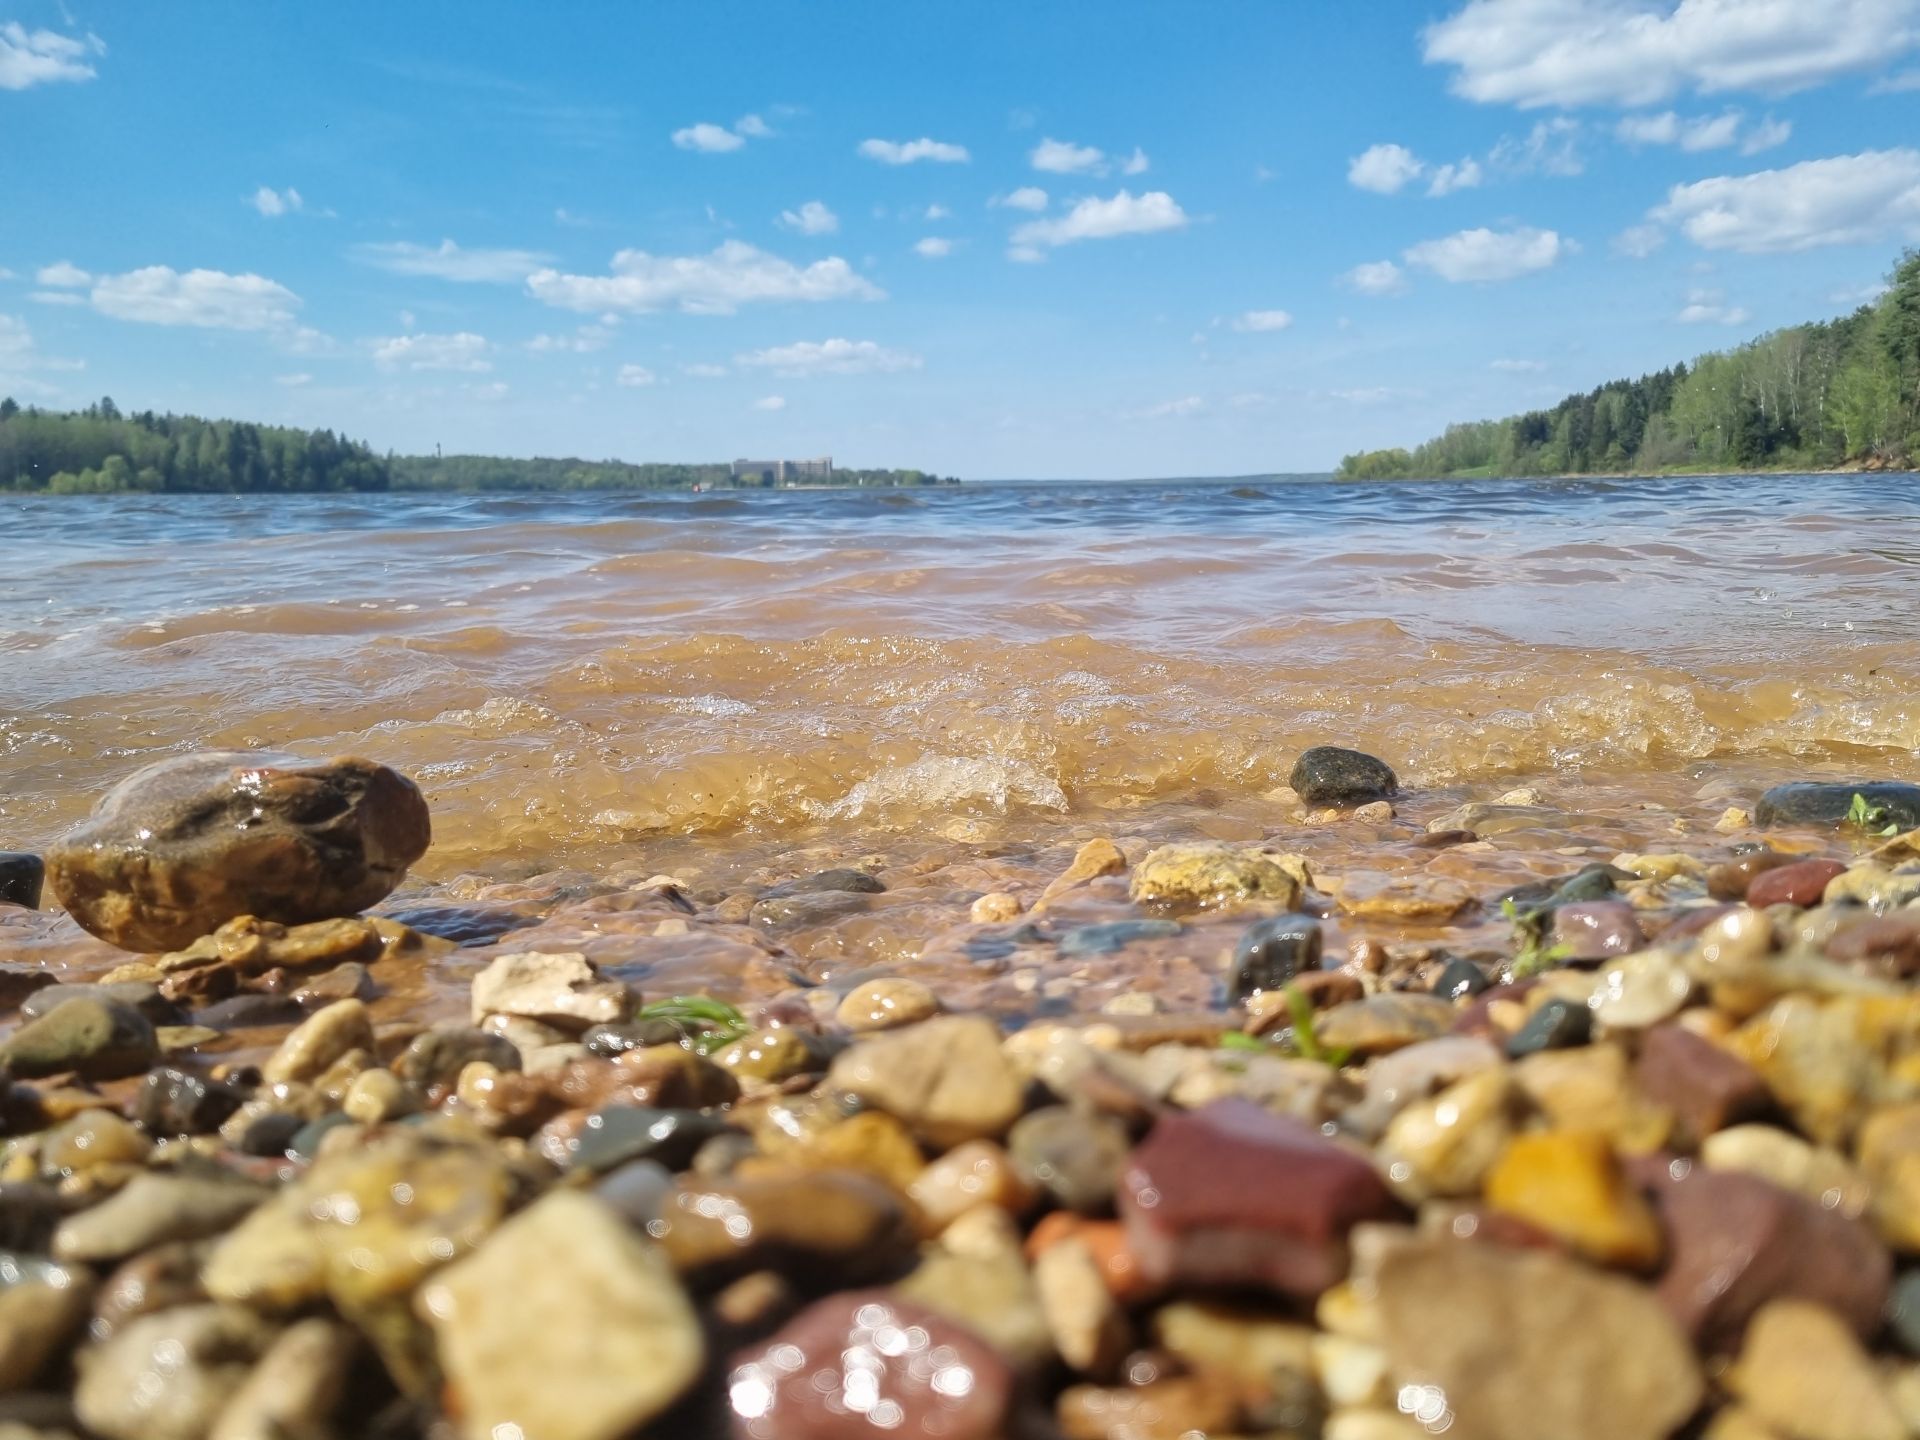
807 909
142 996
1095 859
842 881
621 1134
199 1355
20 878
189 843
886 1004
867 1362
1827 805
1382 1023
1167 1408
1568 1184
1231 1194
1639 990
1088 1327
564 1325
1889 943
838 1223
947 1078
1552 1026
1401 898
1736 1242
1330 775
1802 884
1199 877
94 1038
1520 1345
1114 936
1703 1086
319 1042
562 989
1802 1372
153 1209
770 1055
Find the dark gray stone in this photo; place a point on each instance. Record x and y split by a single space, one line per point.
1329 775
611 1040
95 1039
1460 980
20 877
1827 805
621 1134
1115 935
434 1059
1556 1025
809 907
173 1102
1273 951
143 997
251 1011
1075 1155
851 882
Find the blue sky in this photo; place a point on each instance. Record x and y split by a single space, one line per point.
993 240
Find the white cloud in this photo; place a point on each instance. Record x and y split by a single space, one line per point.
564 216
1859 294
208 299
1136 163
1551 147
1486 255
708 139
1257 322
56 297
1709 307
1384 169
937 212
1092 219
1465 175
771 402
583 341
1767 134
1063 157
1637 242
1846 200
464 351
635 377
735 274
1026 254
293 381
1899 84
1370 395
1181 409
812 218
1519 367
1535 53
42 57
1027 197
704 371
274 203
933 247
1376 277
754 127
898 152
19 354
447 261
62 274
808 358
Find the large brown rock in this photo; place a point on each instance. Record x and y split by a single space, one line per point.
185 845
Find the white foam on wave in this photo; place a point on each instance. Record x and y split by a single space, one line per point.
948 782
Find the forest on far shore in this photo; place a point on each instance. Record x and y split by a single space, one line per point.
1807 397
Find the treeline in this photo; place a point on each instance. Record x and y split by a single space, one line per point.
100 450
1812 396
492 472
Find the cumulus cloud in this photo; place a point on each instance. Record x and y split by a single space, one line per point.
1136 163
708 138
933 247
1095 219
719 283
447 261
1465 175
1486 255
807 358
1384 169
812 218
635 377
44 57
1027 197
207 299
771 402
1256 322
1376 277
1709 307
62 274
1846 200
907 152
464 352
1063 157
1534 53
274 203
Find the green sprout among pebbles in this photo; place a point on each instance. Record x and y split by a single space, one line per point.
1306 1044
1876 819
1532 955
705 1024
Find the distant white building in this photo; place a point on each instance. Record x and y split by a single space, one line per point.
780 472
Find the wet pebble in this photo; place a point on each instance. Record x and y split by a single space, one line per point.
886 1004
947 1078
167 1376
1272 952
1802 883
1114 936
562 989
1330 775
1075 1155
154 1209
1382 1023
1198 877
1827 805
1597 929
1554 1025
20 876
1460 980
95 1038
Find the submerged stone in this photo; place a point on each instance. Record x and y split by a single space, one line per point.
1272 951
1114 936
20 878
183 846
1828 805
1202 876
1330 775
1802 884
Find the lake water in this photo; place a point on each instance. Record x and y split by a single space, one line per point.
735 687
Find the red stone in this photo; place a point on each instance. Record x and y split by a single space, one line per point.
1231 1194
1735 1242
863 1365
1799 884
1706 1088
1691 922
1890 943
1597 929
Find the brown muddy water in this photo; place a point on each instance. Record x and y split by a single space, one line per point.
954 689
